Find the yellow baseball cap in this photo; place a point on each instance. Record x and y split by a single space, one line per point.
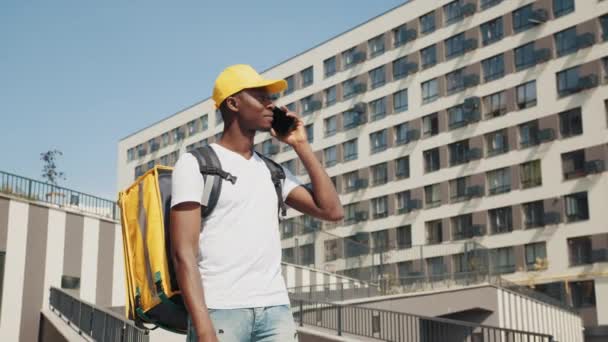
242 76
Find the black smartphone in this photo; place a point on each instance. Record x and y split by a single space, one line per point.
281 123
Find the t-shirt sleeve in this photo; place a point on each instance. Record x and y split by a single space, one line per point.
290 183
187 181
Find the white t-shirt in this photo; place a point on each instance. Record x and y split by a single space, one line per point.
240 244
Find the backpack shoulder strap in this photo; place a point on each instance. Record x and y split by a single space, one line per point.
211 169
277 175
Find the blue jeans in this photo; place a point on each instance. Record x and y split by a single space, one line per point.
264 324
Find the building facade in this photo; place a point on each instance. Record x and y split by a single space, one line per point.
442 122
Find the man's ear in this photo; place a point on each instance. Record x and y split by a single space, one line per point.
232 103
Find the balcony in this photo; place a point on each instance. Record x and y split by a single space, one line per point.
471 104
410 135
359 88
359 56
595 166
585 40
546 135
470 80
469 232
360 107
410 206
599 255
551 218
539 16
468 9
474 191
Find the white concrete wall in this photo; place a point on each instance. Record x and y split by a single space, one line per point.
601 296
54 256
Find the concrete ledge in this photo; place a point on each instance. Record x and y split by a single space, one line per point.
62 327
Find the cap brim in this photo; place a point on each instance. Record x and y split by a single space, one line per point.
273 86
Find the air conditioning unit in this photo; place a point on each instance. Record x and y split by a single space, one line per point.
471 104
539 16
595 166
585 40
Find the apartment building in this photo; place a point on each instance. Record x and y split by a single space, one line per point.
442 122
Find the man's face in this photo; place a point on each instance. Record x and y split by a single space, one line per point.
255 109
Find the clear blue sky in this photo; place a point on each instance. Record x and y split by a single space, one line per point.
79 76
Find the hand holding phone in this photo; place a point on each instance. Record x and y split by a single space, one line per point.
281 123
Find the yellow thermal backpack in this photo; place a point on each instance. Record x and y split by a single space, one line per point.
153 295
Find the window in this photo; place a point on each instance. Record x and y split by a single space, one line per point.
430 124
219 118
400 102
378 141
164 160
492 31
178 134
534 213
528 134
350 212
497 142
401 68
204 122
402 167
455 81
499 181
401 133
164 139
350 149
458 152
349 88
404 237
458 189
427 23
501 220
432 195
330 126
331 250
577 208
402 35
130 154
536 255
583 294
567 81
496 104
436 268
307 254
380 239
454 46
139 170
352 119
350 57
531 175
287 254
291 106
329 66
376 45
431 160
504 260
380 173
452 12
329 156
191 127
377 109
526 95
307 77
484 4
330 96
268 147
434 232
290 85
525 56
462 227
310 134
493 67
306 104
380 207
571 122
456 117
428 56
377 77
580 249
562 7
430 91
566 41
521 18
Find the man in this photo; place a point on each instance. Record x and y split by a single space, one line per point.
229 268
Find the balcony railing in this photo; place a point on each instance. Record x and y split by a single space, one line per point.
98 323
33 190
